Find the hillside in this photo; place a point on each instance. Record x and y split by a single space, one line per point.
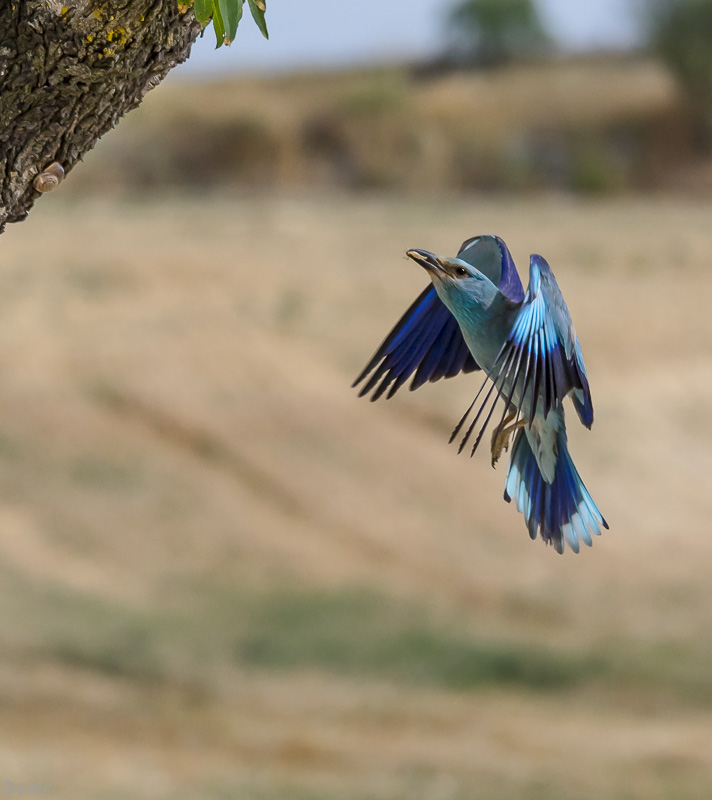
226 576
596 125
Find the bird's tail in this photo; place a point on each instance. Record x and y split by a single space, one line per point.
561 511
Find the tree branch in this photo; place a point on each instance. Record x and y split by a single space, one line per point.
69 70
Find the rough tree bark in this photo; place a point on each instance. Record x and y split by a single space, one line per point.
69 70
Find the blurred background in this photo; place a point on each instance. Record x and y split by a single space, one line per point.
223 574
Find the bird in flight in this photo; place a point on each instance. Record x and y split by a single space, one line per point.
475 315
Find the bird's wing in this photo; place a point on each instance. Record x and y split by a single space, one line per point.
427 340
542 351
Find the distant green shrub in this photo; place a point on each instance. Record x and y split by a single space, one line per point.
593 170
376 97
680 32
494 32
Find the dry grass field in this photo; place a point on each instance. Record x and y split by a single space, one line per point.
225 576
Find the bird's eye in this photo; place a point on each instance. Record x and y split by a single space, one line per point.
461 272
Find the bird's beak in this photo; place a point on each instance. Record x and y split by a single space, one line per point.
426 260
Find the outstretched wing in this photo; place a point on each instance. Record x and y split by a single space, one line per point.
427 340
542 354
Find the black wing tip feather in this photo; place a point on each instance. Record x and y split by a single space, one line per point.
433 348
382 351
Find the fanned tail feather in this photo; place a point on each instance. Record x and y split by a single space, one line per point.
562 511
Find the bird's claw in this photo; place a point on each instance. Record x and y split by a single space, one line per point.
500 439
500 442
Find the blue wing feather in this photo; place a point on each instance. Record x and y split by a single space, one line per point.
544 340
426 340
433 366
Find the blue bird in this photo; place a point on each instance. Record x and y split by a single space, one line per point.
476 315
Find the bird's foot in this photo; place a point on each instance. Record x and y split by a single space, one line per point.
500 437
500 442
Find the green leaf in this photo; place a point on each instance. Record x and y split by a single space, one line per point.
203 10
258 8
218 25
231 11
226 16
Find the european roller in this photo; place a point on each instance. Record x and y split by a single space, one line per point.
476 315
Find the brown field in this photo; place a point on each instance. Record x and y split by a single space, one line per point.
224 576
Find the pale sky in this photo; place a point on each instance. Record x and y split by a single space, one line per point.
346 32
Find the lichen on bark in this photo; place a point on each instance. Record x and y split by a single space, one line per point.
68 72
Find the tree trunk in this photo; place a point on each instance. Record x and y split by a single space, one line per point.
69 69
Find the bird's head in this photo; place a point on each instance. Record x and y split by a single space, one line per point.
444 269
467 277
